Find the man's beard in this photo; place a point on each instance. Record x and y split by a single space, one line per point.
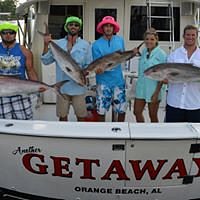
8 42
72 33
108 34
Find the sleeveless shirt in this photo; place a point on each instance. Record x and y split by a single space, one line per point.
12 61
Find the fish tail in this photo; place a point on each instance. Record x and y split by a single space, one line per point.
41 33
56 87
46 30
84 73
140 45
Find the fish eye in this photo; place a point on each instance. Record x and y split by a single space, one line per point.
174 73
110 64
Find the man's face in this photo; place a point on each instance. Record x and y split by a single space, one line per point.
8 36
190 37
73 28
108 29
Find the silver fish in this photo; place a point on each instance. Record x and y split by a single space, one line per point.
174 72
13 86
109 61
67 64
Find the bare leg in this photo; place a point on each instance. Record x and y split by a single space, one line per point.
80 119
101 118
153 111
63 118
121 117
139 105
113 115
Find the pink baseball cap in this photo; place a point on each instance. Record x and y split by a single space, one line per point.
108 20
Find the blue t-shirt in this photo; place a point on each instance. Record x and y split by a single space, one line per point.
12 61
81 53
102 47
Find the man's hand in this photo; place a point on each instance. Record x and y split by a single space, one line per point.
165 81
47 39
136 51
42 89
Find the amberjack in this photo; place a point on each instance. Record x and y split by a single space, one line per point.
109 61
67 64
174 72
10 85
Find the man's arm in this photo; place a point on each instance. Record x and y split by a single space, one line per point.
47 40
31 73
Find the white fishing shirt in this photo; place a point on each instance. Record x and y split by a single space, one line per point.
184 95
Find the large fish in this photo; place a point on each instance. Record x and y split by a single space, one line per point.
67 64
109 61
13 86
174 72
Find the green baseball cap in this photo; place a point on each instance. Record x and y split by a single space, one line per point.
72 19
8 26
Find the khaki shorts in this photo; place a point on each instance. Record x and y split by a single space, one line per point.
78 103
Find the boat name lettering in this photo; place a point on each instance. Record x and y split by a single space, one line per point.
62 167
31 149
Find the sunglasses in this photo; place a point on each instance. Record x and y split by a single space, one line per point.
73 24
8 32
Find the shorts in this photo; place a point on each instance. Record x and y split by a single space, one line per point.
16 107
78 103
107 96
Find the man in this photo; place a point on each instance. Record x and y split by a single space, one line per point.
15 60
110 84
80 51
183 99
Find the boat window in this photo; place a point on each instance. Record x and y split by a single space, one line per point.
138 22
58 14
99 14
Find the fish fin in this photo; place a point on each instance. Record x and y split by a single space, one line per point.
109 70
68 69
46 30
56 87
138 47
110 67
83 77
109 64
41 33
118 51
85 72
77 67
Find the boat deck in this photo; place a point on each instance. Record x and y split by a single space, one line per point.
48 112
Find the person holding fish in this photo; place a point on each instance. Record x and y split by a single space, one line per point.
110 83
71 54
149 91
183 99
15 61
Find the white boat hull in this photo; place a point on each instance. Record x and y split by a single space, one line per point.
87 161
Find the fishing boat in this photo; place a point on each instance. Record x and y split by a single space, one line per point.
86 161
47 159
